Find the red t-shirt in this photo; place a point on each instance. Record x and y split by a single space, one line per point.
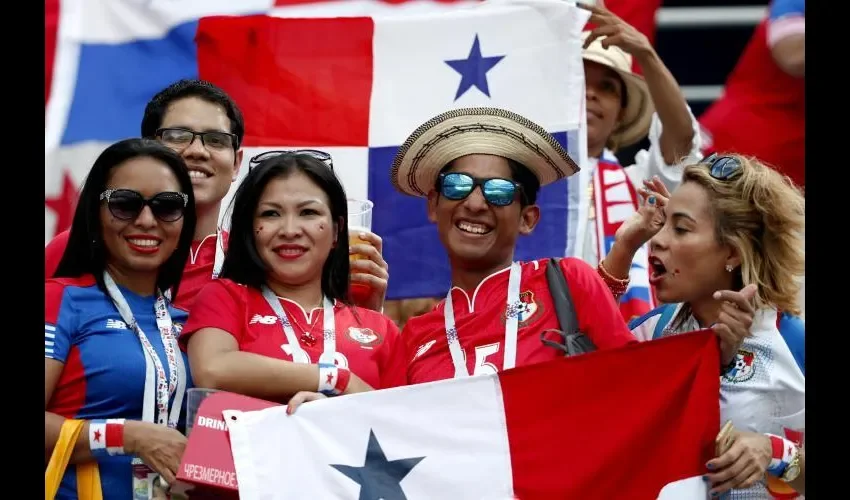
762 111
367 342
196 274
480 322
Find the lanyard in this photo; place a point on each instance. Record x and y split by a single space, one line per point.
329 332
219 254
158 387
511 326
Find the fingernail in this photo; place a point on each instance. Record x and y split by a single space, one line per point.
709 466
714 494
705 478
716 295
363 235
651 200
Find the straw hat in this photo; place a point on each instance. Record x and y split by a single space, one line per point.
467 131
638 115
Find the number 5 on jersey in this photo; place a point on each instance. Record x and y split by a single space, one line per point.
482 353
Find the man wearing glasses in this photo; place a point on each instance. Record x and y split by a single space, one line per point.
480 170
202 123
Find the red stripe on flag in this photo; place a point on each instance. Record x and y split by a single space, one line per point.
614 424
297 81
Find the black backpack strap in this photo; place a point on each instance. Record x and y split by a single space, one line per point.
574 342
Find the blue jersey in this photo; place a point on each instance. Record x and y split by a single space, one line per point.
104 365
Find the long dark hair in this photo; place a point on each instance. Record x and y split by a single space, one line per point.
242 262
86 252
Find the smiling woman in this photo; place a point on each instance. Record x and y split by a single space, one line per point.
130 237
279 319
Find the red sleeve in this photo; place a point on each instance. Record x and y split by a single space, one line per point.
53 253
393 362
597 312
220 304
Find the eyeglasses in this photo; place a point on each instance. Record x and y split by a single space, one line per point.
126 204
498 192
315 153
181 138
722 167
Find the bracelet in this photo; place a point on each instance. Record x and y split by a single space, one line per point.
617 286
783 451
333 380
106 437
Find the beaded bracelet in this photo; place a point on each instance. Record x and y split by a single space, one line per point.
617 286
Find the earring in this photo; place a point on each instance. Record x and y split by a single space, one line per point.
729 268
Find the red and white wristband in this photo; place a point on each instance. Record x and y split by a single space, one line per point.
783 451
106 437
333 380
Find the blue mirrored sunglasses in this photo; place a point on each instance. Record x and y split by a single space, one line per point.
315 153
498 192
721 167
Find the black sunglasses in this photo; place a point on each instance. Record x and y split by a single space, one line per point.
497 191
315 153
126 204
181 138
722 167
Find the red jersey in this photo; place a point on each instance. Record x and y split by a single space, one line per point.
762 111
480 322
367 342
196 274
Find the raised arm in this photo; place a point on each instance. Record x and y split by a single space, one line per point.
786 36
677 125
635 232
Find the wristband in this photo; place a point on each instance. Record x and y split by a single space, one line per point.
783 452
106 437
333 380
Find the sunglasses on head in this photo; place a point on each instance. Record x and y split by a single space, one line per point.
497 191
721 167
315 153
126 204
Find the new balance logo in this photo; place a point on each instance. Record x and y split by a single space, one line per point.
265 320
424 348
116 324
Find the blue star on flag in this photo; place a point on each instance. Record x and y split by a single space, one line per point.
473 70
379 478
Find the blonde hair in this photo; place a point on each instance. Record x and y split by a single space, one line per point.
761 213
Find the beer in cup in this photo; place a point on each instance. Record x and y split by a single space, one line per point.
359 221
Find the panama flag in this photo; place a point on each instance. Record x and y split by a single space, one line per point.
355 85
582 427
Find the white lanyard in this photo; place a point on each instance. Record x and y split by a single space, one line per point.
158 387
219 254
329 332
511 326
